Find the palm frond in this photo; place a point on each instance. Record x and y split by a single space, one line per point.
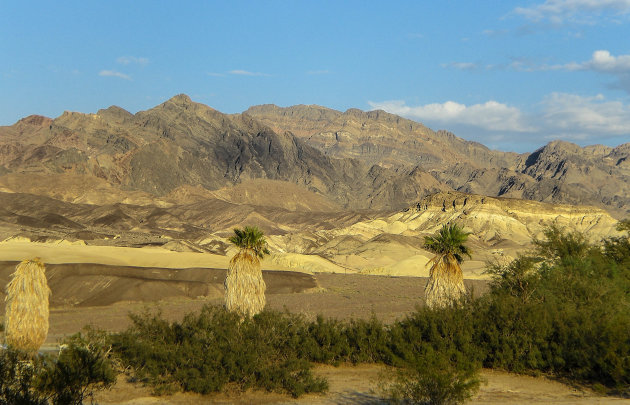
250 238
449 240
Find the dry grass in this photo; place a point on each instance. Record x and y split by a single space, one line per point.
244 284
446 282
26 319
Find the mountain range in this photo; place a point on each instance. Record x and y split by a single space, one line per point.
333 191
181 151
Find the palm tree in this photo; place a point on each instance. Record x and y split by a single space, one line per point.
446 280
244 284
26 319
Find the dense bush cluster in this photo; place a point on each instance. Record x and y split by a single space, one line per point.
563 309
212 349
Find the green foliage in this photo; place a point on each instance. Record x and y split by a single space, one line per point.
17 380
450 240
250 238
563 310
431 378
82 367
209 350
618 248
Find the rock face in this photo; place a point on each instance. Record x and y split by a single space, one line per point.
559 172
352 159
182 143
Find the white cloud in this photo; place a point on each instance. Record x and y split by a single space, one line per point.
583 119
246 73
576 11
601 61
491 115
112 73
591 116
214 74
126 60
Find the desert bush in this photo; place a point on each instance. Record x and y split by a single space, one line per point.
81 368
209 350
563 310
17 380
431 378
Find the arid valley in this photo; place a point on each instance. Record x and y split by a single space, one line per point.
133 212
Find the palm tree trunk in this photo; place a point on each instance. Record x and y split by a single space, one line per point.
446 283
26 320
244 285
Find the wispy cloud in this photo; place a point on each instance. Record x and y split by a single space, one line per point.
113 73
574 11
579 118
215 74
126 60
601 61
495 33
461 65
240 72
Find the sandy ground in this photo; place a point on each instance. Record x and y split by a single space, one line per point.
353 385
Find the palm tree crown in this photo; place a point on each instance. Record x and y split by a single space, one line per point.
449 240
250 238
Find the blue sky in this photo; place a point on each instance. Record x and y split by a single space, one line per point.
510 74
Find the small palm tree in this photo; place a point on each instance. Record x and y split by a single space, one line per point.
446 280
26 319
244 284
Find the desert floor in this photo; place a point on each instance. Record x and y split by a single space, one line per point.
103 295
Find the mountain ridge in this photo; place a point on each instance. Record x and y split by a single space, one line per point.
358 159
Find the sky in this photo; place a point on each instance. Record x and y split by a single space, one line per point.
513 75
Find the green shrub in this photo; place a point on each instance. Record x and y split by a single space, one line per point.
17 380
209 350
431 378
82 367
562 310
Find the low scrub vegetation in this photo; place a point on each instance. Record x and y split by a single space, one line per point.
563 309
83 366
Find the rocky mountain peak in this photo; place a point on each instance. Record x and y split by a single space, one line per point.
35 120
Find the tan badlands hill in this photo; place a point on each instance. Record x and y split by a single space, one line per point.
312 241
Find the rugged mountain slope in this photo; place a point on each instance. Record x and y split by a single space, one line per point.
182 143
354 159
377 137
559 172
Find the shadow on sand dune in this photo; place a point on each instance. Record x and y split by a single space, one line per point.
85 284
